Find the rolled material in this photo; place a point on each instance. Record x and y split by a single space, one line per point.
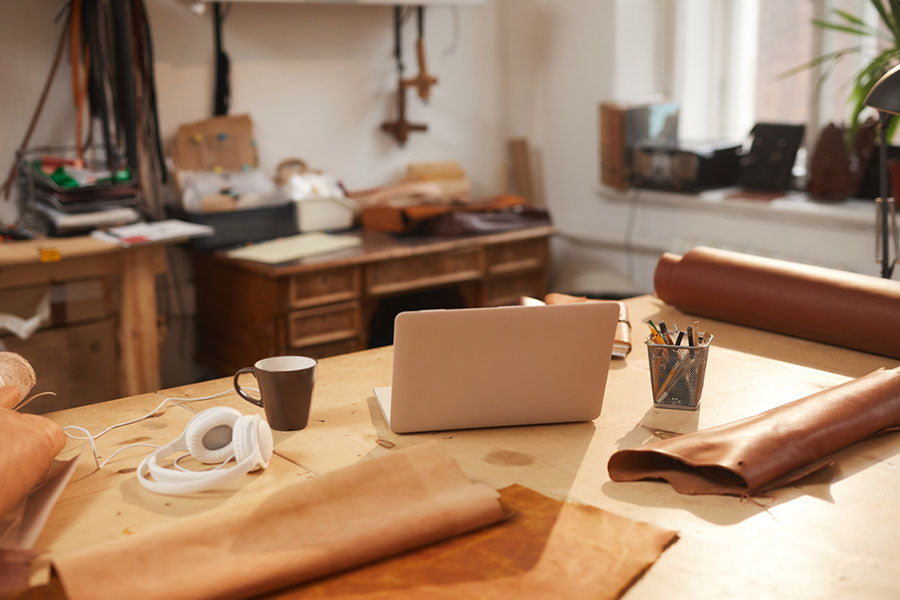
772 448
816 303
16 372
28 444
375 508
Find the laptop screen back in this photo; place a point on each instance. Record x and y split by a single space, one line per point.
488 367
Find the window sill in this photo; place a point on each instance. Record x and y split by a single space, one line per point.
792 207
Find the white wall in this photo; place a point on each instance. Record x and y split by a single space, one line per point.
318 81
563 58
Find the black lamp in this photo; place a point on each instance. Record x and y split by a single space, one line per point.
885 98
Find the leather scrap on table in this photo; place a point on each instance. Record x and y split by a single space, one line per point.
29 442
15 372
826 305
410 218
373 509
28 445
770 449
522 557
622 340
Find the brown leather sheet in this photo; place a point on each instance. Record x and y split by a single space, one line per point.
526 556
826 305
772 448
375 508
16 373
28 444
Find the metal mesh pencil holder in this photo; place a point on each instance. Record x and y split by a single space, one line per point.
676 373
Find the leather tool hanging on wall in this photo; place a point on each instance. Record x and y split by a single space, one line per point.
112 82
401 128
423 80
222 93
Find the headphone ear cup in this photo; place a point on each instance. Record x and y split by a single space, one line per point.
209 436
253 439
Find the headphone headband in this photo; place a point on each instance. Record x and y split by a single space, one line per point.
251 446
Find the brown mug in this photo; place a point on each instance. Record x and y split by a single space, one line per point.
285 389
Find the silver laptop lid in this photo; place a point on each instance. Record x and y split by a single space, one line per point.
485 367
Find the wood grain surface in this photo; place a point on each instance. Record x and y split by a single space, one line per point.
835 534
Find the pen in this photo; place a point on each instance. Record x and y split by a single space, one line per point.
680 337
665 333
690 335
655 334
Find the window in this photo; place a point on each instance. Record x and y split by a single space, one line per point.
729 55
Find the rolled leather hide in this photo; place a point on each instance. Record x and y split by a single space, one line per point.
826 305
772 448
28 444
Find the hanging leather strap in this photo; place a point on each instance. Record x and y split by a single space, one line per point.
7 185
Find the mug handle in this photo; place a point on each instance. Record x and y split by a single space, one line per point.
240 392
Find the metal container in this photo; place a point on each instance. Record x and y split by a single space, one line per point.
677 372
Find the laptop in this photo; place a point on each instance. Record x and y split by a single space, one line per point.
489 367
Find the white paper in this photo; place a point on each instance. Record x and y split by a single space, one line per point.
294 247
144 233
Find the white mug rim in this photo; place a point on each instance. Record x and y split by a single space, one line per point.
281 364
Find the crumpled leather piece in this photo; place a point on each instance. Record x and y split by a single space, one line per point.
15 372
826 305
772 448
28 444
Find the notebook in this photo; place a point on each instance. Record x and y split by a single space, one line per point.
489 367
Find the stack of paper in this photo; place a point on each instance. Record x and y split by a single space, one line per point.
156 231
294 247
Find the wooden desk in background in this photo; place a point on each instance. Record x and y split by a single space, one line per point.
833 535
22 264
322 305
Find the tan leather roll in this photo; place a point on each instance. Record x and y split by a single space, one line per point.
826 305
17 372
772 448
29 444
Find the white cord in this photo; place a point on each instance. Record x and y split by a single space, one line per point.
90 438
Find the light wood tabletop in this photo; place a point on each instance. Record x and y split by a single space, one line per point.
834 534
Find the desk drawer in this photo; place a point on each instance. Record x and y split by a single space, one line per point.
516 256
506 290
323 287
416 272
327 349
323 324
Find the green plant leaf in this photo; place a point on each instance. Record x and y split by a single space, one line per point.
835 55
895 13
848 17
841 28
888 20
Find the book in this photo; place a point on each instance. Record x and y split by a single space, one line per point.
70 223
155 231
623 125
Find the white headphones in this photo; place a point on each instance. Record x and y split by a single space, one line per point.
212 436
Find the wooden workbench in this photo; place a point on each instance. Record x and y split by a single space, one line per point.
52 260
834 534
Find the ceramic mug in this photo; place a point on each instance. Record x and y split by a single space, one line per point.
285 389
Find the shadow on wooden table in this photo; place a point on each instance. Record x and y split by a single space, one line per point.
545 457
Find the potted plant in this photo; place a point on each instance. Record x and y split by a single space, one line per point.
887 34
